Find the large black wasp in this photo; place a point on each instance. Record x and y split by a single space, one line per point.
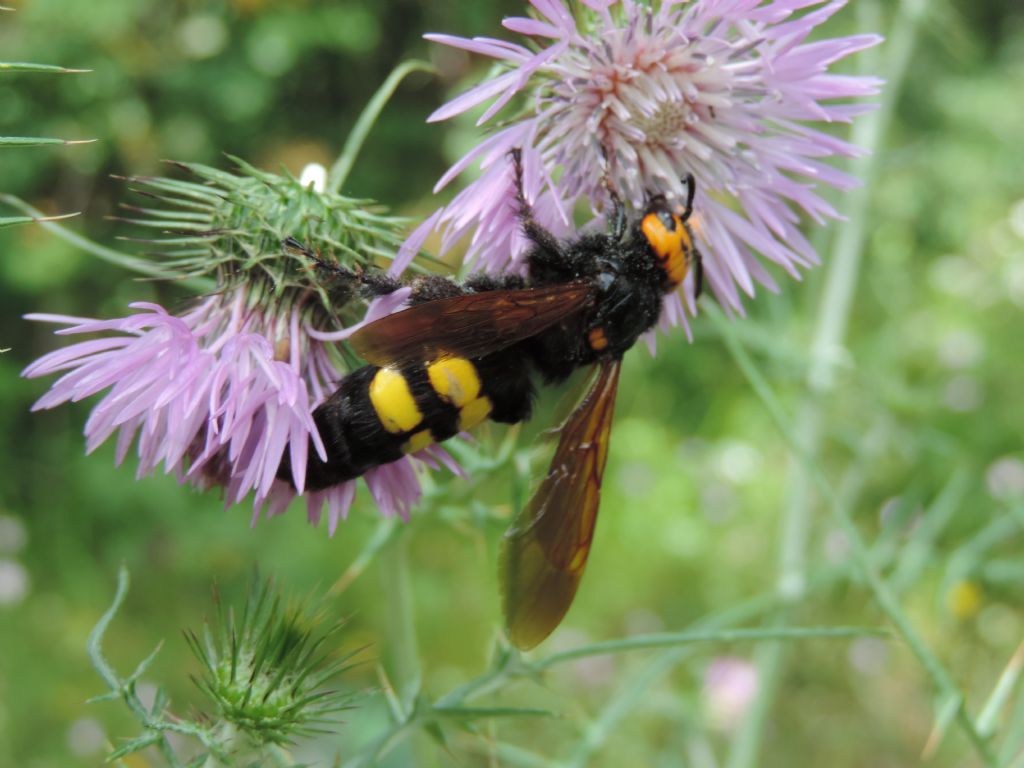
465 352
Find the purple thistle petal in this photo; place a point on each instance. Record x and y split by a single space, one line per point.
473 96
719 88
204 395
394 487
380 307
339 500
498 49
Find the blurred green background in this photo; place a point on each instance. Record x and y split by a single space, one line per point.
919 433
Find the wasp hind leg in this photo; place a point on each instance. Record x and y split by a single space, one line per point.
546 253
697 262
548 261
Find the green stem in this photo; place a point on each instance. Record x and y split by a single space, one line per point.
122 689
831 325
883 594
343 165
689 637
406 672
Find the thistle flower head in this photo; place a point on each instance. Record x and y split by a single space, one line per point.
218 393
265 670
635 95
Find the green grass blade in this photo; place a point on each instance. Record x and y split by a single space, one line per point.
24 66
123 260
36 141
883 594
988 719
343 165
673 639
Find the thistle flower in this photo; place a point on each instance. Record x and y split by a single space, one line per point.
265 669
635 95
218 393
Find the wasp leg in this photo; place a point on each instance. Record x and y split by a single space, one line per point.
374 283
539 236
481 282
432 288
698 273
548 262
691 190
331 268
618 218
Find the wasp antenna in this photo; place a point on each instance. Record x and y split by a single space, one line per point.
319 262
292 244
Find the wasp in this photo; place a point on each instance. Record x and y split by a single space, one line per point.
465 352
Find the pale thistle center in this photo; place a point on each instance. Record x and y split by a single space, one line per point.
669 120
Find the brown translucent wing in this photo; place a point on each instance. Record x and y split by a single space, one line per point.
471 325
545 550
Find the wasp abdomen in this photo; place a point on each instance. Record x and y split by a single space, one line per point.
377 415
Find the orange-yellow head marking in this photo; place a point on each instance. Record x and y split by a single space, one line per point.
670 241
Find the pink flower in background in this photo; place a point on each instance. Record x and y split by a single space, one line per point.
730 684
639 96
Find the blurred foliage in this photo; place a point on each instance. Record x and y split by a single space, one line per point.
921 436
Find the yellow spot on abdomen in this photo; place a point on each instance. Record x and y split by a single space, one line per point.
455 380
418 441
474 412
597 339
393 401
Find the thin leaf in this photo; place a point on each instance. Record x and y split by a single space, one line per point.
123 260
144 664
947 712
387 529
476 713
135 745
35 141
880 589
673 639
510 754
96 635
23 66
986 723
343 165
15 220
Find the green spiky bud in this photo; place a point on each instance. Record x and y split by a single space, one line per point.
266 670
232 226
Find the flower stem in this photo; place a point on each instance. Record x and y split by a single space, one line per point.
831 324
403 649
343 165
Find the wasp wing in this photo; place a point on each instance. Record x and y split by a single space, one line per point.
545 550
470 325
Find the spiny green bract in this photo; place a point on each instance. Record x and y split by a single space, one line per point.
266 669
231 227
